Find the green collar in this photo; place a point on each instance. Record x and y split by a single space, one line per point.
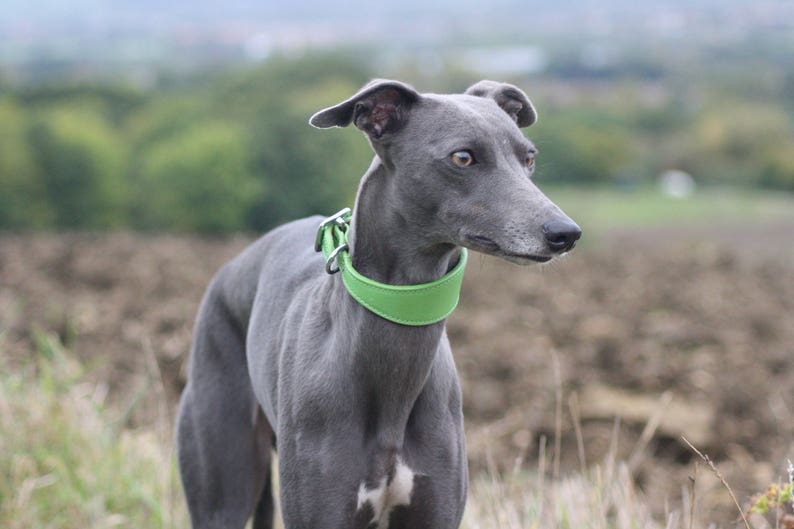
407 305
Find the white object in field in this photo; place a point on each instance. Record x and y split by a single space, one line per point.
676 184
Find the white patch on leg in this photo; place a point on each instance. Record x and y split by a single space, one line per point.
375 497
383 498
402 485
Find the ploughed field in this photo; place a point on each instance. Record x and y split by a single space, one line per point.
692 332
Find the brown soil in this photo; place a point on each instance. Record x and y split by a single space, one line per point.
696 336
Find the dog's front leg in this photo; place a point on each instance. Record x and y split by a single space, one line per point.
319 474
339 474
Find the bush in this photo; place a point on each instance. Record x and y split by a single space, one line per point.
80 163
582 146
197 180
23 202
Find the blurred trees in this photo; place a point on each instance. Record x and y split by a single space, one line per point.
306 171
582 146
196 180
235 151
217 155
22 199
80 161
743 143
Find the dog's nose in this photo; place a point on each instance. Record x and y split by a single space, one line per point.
561 234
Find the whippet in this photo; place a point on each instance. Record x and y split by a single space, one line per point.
363 408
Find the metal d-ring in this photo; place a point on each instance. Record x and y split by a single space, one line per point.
332 257
337 218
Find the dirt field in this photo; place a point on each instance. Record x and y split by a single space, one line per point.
694 330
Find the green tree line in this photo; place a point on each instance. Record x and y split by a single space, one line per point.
228 153
235 152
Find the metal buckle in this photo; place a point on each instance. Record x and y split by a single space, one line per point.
332 257
337 218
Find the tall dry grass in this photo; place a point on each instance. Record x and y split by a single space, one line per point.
66 462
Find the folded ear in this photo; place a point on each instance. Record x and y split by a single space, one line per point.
510 98
379 108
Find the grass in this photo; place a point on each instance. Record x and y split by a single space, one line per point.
66 463
602 498
607 208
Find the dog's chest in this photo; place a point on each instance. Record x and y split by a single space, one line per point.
390 492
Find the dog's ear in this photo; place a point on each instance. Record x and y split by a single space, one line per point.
510 98
379 108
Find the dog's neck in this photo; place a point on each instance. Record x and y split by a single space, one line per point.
384 245
393 361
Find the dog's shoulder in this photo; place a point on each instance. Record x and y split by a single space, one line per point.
292 240
282 252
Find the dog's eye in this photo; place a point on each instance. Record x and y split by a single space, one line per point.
463 158
530 161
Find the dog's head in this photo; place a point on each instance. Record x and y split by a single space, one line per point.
461 166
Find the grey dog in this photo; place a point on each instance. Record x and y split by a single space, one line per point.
365 413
